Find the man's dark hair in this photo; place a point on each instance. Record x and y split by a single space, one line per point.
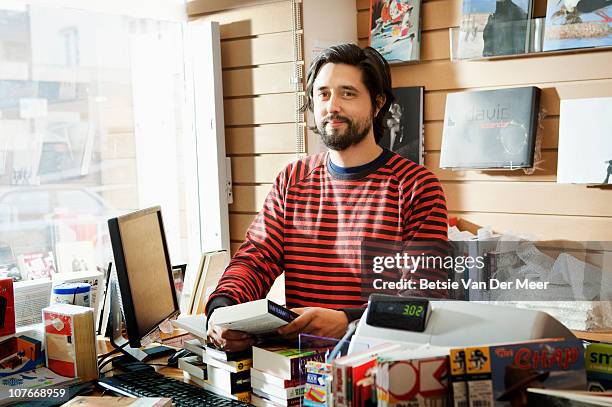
376 77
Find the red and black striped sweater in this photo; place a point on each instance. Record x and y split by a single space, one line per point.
314 220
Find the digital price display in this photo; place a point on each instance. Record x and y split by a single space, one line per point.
403 313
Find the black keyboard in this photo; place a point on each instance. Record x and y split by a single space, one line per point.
152 384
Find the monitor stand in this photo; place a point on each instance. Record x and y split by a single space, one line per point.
118 327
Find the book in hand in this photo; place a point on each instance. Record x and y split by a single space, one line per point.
254 317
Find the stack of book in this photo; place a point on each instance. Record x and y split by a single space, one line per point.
223 373
278 375
352 375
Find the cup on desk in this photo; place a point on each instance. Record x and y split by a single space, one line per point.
72 293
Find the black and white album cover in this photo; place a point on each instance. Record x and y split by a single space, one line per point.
404 124
490 129
585 141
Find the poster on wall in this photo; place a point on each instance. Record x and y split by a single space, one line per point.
404 124
578 24
395 31
585 142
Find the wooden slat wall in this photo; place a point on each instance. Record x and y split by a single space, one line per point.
259 99
532 204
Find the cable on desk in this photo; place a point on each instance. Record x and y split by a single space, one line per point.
107 354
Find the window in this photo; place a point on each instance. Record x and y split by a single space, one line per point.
93 124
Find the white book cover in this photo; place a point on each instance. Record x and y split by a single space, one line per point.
254 317
585 141
194 324
280 392
194 366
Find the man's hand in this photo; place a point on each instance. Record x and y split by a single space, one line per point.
228 340
316 321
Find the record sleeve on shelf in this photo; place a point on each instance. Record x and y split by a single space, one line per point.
491 129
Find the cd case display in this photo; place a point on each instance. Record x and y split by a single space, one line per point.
491 129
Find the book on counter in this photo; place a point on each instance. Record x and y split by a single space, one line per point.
194 366
490 129
228 382
236 364
92 401
244 396
284 393
38 378
275 381
598 360
253 317
458 384
70 339
277 401
318 387
413 375
266 401
7 307
499 375
347 370
567 398
226 356
282 362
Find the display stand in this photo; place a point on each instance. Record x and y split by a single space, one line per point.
461 39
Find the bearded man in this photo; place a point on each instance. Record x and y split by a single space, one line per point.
321 208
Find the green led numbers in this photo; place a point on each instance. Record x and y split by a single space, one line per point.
419 311
413 310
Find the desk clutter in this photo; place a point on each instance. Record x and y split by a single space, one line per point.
394 374
536 372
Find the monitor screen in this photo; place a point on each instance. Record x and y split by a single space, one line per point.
143 271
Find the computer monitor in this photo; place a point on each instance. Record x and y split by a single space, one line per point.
144 272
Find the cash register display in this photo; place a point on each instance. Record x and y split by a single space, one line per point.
407 314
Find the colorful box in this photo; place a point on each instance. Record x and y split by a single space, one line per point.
70 341
28 347
598 362
7 307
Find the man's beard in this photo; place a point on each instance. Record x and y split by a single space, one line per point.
338 139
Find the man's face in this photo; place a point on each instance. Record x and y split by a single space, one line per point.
342 107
